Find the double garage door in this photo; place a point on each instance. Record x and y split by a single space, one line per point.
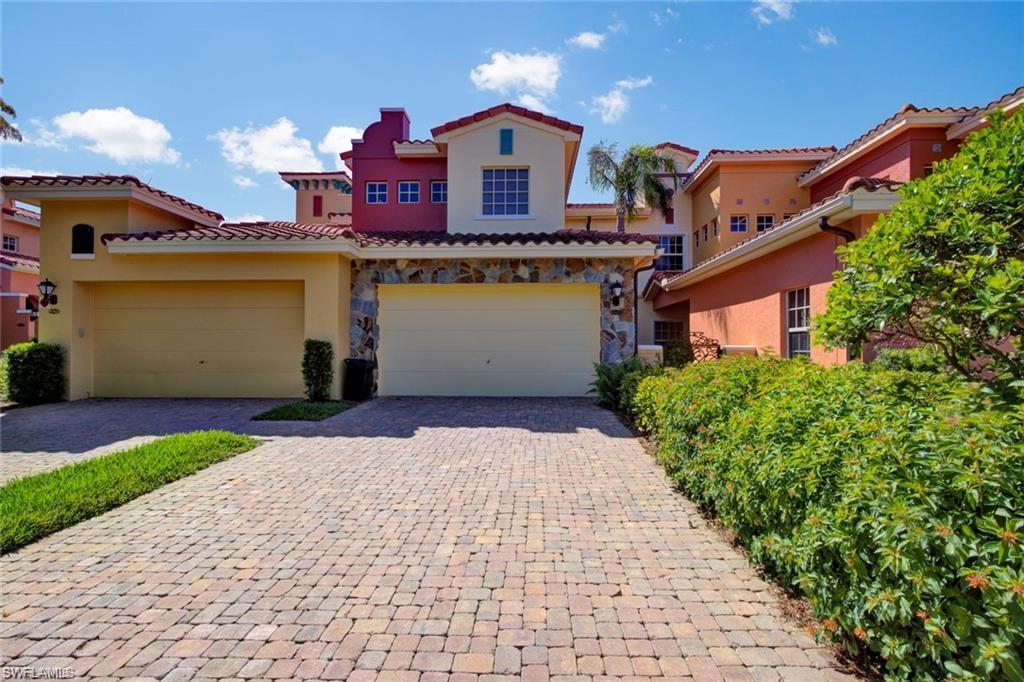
488 339
244 339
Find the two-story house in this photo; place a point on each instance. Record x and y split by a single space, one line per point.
454 272
19 273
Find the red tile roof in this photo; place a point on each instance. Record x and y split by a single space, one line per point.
22 213
593 204
501 109
104 181
340 218
754 154
18 260
885 126
677 147
269 230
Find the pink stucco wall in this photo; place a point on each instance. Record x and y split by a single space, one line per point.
374 160
902 158
16 327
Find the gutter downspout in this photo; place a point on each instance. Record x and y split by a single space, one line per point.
636 303
840 232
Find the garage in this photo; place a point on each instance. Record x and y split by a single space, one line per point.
488 339
197 339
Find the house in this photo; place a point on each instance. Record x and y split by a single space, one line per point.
765 245
454 272
19 273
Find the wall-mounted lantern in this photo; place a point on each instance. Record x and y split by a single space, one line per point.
46 289
615 288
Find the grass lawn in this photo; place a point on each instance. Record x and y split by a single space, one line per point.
35 506
304 411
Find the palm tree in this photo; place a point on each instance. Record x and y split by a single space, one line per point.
7 129
635 179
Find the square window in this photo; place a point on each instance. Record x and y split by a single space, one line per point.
506 191
439 191
765 222
376 192
672 247
408 192
10 243
737 223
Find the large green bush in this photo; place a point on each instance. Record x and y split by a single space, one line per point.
892 499
318 369
34 373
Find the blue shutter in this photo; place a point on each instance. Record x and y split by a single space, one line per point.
506 141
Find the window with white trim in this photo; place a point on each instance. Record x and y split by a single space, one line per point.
798 323
439 191
714 226
10 243
506 191
669 332
765 222
672 247
376 192
737 223
408 192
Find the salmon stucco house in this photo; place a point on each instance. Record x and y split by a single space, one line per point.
445 260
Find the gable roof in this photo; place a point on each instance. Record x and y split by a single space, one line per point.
755 155
50 184
503 109
23 215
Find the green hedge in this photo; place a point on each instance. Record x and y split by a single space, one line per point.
892 499
318 369
34 373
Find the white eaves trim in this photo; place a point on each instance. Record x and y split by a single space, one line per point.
842 207
345 247
972 123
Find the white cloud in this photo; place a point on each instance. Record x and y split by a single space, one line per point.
661 17
531 77
614 104
118 133
244 181
268 149
337 140
16 170
533 102
824 36
587 40
245 218
617 25
769 11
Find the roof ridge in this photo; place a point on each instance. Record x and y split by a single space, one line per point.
506 107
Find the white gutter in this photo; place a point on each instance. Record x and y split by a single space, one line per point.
842 207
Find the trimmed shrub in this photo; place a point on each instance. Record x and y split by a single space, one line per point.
34 373
318 369
628 385
920 359
892 499
607 381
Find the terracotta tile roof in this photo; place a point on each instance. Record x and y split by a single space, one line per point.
22 213
104 181
592 204
18 260
501 109
998 103
869 184
269 230
438 238
754 154
340 218
677 147
882 128
337 173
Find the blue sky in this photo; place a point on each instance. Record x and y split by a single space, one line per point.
208 100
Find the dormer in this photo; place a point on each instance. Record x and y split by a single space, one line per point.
318 196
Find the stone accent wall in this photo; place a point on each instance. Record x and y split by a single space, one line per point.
616 326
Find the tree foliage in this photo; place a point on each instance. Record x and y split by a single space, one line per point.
635 179
7 129
946 266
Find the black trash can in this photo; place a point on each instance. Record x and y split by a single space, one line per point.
358 381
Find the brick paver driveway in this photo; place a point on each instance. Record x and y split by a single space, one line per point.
406 539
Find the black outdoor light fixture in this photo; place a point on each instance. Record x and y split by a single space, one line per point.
46 289
616 290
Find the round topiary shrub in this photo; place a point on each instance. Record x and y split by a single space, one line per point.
34 373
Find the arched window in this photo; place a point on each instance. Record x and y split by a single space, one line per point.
82 240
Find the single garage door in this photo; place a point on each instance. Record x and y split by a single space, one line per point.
488 339
197 339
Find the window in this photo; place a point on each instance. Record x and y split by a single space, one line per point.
439 191
765 222
672 247
737 223
929 169
705 233
696 238
798 330
714 226
670 216
505 143
10 243
506 191
667 332
81 240
376 192
409 192
318 205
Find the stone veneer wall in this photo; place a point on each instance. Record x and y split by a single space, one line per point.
616 326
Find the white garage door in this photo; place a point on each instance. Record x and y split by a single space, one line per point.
488 339
198 339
